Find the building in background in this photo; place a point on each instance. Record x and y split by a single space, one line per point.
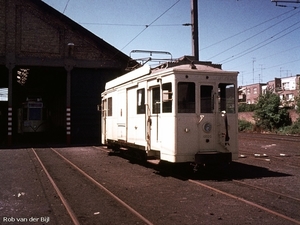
249 93
46 55
286 87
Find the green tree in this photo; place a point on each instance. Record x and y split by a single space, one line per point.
244 107
268 115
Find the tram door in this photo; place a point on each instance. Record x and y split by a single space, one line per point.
104 108
122 115
155 117
207 120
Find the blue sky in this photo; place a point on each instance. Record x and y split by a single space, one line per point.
255 37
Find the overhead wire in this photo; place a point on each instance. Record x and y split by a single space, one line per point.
265 43
281 64
259 59
66 6
271 67
150 24
241 32
247 39
257 46
131 25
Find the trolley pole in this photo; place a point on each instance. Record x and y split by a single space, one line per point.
195 33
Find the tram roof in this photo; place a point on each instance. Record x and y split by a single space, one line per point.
183 64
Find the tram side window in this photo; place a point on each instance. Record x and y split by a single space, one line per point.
109 106
227 97
156 100
167 97
140 101
186 97
206 98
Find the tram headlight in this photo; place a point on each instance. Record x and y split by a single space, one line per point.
207 127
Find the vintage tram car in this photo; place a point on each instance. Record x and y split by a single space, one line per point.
32 116
182 111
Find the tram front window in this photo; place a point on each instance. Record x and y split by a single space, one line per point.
226 96
206 99
186 97
35 113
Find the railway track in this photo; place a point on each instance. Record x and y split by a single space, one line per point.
259 136
256 197
269 136
283 150
263 202
93 194
277 204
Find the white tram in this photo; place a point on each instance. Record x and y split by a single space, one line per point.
178 112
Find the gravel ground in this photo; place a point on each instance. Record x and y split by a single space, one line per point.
27 197
162 198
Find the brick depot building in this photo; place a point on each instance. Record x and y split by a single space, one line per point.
67 66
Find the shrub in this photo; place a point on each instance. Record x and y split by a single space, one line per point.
293 129
244 107
244 125
268 115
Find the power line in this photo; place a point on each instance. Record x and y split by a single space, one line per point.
66 6
253 36
131 25
285 63
218 42
257 46
270 67
150 24
259 59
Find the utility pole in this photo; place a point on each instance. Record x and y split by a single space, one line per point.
195 33
261 73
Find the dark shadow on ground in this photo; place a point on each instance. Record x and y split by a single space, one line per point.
236 171
184 171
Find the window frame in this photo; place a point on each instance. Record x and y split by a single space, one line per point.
109 106
227 98
140 101
167 104
207 102
186 105
155 95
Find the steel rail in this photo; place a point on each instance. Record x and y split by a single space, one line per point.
266 190
246 201
62 198
295 138
105 189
